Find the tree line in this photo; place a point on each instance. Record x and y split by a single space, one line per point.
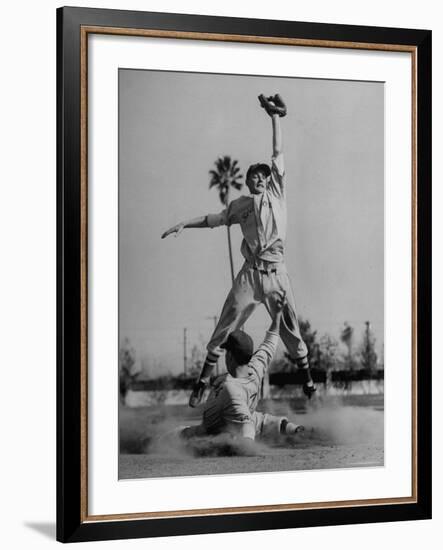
325 352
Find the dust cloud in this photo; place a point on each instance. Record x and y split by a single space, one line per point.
326 423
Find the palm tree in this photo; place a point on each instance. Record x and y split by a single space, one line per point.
225 177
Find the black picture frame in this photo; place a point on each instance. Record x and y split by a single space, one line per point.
73 523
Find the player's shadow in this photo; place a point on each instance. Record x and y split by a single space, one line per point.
45 529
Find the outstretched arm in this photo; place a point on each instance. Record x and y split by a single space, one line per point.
225 217
201 221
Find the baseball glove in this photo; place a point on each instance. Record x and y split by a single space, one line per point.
273 105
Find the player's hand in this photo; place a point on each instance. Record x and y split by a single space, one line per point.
176 229
281 301
273 105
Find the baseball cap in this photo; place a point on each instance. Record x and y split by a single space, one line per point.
256 167
240 345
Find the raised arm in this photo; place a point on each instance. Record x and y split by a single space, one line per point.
277 138
276 319
276 108
263 356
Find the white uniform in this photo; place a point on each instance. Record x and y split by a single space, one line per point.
231 405
263 220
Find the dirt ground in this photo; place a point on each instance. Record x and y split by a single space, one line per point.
339 433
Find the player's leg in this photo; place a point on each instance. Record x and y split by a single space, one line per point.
234 314
290 428
289 326
193 431
271 426
239 304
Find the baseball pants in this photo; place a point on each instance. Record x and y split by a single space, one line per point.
260 425
252 287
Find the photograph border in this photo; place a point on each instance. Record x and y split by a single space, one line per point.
73 27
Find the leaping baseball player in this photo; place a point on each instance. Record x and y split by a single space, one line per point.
262 217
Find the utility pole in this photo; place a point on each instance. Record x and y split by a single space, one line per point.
215 319
231 260
185 346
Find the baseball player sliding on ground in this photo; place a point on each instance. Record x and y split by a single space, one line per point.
262 218
231 405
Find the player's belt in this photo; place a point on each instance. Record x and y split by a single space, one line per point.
266 268
265 271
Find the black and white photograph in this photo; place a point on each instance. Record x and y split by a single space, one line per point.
251 274
224 214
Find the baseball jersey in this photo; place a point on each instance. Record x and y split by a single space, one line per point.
262 218
233 401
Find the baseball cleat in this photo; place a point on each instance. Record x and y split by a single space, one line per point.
197 393
292 429
186 433
309 389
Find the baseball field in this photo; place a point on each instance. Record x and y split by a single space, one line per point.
344 432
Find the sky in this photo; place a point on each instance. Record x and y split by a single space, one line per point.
172 128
